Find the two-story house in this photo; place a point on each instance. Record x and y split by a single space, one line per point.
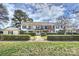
38 27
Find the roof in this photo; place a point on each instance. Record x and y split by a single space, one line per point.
11 28
37 23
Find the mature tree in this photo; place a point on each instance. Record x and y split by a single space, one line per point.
30 20
3 15
19 15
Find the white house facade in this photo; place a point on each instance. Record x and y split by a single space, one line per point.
46 27
38 27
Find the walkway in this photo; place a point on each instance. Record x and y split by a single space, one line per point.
38 39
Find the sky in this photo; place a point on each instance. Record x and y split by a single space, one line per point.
44 11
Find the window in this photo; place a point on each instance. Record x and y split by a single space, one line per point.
61 26
10 32
41 27
29 27
23 27
57 27
37 27
46 27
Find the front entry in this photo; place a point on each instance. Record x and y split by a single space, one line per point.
38 33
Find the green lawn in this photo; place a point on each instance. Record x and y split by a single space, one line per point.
39 48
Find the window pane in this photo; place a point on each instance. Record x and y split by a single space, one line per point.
46 27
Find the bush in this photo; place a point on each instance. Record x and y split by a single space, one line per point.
31 33
61 32
73 33
28 33
63 37
43 34
14 37
22 32
45 31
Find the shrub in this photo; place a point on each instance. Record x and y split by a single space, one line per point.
22 32
73 33
63 37
28 33
31 33
61 32
43 34
14 37
45 31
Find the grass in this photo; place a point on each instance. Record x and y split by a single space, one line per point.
39 48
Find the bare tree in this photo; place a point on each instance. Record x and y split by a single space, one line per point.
63 22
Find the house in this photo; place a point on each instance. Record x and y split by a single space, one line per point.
41 27
38 27
71 30
11 30
59 26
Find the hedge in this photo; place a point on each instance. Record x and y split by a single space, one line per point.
73 33
28 33
54 33
63 37
14 37
62 33
31 33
